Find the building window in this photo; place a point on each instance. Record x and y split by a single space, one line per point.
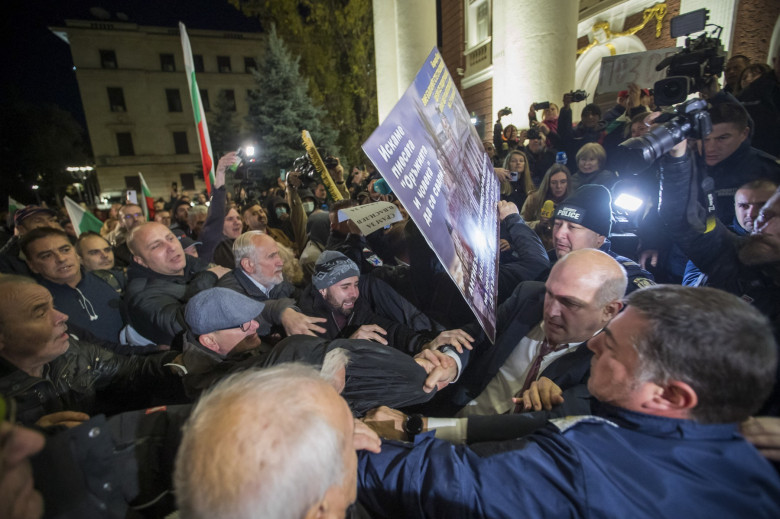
204 99
180 143
167 64
124 143
174 99
116 99
477 22
187 181
107 58
230 99
197 60
223 64
250 65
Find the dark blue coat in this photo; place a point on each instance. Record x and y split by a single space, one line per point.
617 464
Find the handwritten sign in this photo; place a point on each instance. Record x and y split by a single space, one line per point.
371 217
638 67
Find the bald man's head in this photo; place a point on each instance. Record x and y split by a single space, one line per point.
155 247
584 291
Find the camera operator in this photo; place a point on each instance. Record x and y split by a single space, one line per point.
748 267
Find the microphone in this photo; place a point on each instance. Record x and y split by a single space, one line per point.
547 209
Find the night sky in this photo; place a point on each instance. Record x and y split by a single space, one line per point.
37 66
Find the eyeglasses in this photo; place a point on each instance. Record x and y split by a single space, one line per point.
134 216
243 327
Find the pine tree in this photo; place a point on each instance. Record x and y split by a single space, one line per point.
223 129
280 107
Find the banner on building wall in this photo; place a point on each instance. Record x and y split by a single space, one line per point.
638 67
431 156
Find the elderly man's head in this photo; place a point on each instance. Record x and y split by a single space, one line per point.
336 278
32 331
583 220
155 247
130 216
95 252
257 254
285 449
196 218
672 349
224 320
583 292
50 254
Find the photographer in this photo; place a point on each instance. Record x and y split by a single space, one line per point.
748 267
590 128
505 139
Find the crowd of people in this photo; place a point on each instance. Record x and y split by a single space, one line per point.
257 355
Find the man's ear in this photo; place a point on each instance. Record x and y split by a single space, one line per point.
323 292
208 341
600 241
247 265
675 399
140 261
611 310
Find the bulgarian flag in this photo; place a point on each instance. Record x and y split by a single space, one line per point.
149 206
206 156
14 206
82 219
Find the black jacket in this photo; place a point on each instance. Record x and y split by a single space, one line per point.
155 302
279 298
89 379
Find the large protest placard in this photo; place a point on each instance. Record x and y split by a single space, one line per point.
431 156
638 67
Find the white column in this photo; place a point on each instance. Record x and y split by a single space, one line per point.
404 34
534 51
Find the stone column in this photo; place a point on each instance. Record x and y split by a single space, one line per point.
534 51
404 34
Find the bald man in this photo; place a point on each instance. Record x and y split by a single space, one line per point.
161 280
541 326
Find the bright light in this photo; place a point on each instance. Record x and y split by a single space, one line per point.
35 187
474 119
628 202
250 151
79 168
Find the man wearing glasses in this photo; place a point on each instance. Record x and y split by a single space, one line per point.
130 217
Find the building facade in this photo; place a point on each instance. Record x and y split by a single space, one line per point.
136 97
516 52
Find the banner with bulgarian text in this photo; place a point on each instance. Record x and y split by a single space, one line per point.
431 156
204 143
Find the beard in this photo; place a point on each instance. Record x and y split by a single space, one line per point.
760 250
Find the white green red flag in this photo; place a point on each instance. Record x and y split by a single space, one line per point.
14 206
148 205
82 219
206 156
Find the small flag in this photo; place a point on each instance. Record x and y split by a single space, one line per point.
206 155
148 207
82 219
14 206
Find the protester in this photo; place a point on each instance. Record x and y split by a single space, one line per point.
25 220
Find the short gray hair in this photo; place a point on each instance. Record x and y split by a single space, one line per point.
713 341
244 247
192 212
258 445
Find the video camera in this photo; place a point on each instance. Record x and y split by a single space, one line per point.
689 71
694 67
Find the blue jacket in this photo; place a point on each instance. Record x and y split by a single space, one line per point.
617 464
95 306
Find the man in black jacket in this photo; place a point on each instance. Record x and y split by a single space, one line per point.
335 295
47 371
161 280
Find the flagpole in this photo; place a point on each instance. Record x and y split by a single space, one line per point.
204 143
